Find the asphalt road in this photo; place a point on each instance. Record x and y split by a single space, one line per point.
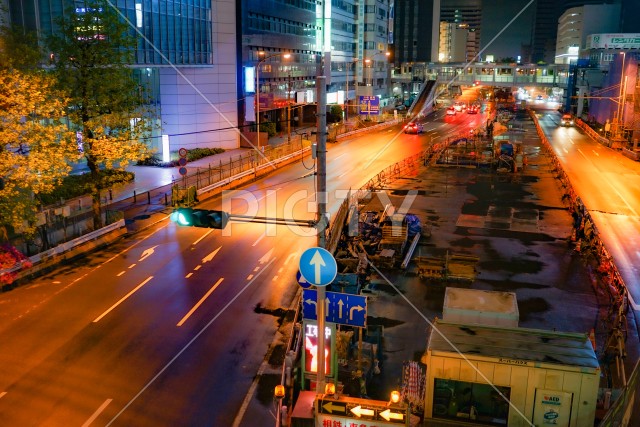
609 185
169 327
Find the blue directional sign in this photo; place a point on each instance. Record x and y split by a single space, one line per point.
369 105
318 266
302 281
345 309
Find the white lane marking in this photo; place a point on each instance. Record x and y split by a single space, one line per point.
147 253
197 267
203 236
2 394
199 303
123 299
343 154
256 269
266 257
259 238
121 273
188 275
131 266
290 256
565 150
280 269
77 279
341 175
594 152
93 417
186 346
211 255
249 277
274 278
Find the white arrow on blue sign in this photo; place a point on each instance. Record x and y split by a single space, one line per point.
318 266
345 309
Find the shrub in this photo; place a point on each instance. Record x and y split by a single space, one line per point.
195 154
268 127
80 185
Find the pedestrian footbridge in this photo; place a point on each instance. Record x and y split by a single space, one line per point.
505 75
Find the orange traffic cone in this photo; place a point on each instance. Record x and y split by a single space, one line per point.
592 338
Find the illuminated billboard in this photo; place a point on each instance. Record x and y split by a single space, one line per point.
310 355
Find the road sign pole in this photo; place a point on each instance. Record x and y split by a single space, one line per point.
321 197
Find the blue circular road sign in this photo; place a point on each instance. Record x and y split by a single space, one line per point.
318 266
302 281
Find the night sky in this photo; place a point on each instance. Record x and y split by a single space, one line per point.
495 16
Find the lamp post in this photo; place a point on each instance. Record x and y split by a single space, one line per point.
260 62
346 111
621 94
371 62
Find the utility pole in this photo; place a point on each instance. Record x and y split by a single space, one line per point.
321 197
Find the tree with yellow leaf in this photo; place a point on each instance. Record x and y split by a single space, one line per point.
92 54
36 147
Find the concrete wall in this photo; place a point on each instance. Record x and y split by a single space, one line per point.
199 107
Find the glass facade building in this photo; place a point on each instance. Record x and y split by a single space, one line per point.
185 51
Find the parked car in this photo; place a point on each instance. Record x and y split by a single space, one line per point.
472 109
566 120
414 127
451 111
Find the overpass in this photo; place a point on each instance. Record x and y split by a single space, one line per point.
504 75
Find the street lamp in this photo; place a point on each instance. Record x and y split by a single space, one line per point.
346 111
371 62
261 53
368 62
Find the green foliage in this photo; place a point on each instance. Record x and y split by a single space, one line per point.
81 185
19 49
195 154
335 114
268 127
92 51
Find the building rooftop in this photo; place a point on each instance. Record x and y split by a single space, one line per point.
518 346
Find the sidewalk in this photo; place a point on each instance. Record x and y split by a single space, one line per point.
150 180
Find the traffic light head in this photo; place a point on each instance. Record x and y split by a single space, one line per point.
189 217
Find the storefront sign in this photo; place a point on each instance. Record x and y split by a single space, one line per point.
613 41
552 408
514 362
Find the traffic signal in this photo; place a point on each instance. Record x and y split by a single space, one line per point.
190 217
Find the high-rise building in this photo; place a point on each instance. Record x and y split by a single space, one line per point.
415 31
466 14
280 50
187 57
576 23
346 38
545 23
453 42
